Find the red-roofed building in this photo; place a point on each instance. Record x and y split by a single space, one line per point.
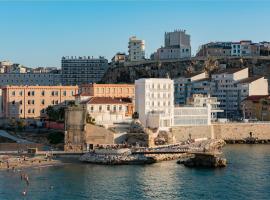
108 110
256 107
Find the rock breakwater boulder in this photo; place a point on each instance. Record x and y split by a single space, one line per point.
204 160
115 157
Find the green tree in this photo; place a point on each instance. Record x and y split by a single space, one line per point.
55 114
135 115
90 120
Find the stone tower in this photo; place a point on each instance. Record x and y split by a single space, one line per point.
75 122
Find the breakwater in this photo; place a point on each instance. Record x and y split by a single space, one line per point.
150 155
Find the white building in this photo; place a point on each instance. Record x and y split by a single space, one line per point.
136 49
192 116
106 110
177 46
43 79
234 85
201 100
154 102
229 86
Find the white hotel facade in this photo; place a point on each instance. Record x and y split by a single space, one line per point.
154 102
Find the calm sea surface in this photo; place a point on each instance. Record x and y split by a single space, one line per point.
246 177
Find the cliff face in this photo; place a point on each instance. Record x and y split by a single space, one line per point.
155 69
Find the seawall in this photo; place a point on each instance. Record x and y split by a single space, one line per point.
226 131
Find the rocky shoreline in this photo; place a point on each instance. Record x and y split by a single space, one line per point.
108 158
204 160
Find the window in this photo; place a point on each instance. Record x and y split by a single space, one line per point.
120 108
108 107
42 101
21 93
114 108
43 93
33 111
29 102
52 93
20 102
33 93
100 108
33 101
13 93
65 93
92 108
13 102
29 110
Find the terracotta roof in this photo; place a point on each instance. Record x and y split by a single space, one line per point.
229 71
256 97
250 79
105 100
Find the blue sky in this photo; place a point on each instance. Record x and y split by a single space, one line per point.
39 33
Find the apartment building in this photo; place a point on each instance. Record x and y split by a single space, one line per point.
42 79
229 86
218 49
225 49
176 46
119 58
185 87
31 101
83 70
108 90
136 49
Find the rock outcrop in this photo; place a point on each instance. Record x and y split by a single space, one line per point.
204 160
157 69
116 157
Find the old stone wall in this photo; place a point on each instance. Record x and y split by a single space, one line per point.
182 133
98 135
235 131
241 130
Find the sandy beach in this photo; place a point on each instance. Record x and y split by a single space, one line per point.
14 162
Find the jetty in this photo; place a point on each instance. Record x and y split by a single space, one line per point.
143 155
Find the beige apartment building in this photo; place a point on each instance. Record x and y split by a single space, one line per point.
31 101
108 90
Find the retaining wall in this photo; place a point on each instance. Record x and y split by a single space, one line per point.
234 131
